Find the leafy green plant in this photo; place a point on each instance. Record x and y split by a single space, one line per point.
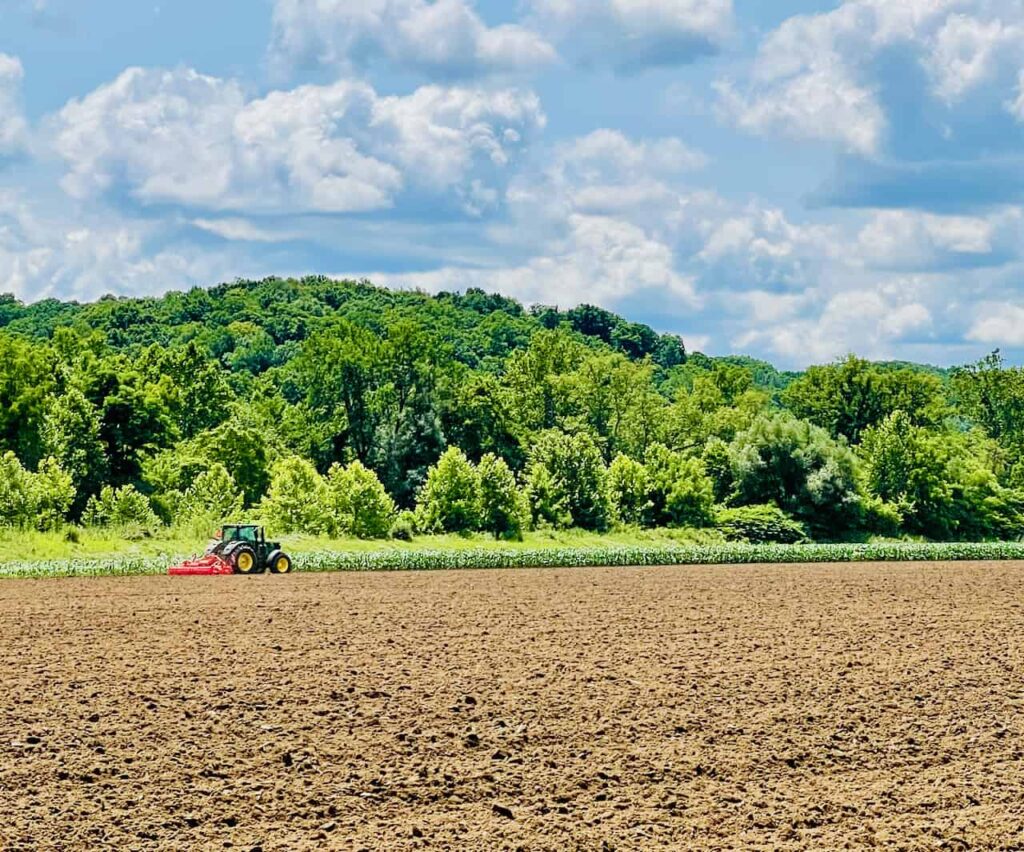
120 507
358 503
450 500
502 508
759 525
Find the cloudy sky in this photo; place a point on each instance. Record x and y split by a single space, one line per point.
789 179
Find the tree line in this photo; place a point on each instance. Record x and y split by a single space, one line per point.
338 408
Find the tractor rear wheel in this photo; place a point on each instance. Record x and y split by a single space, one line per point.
243 559
279 563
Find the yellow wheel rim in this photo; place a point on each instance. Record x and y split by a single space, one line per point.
283 564
245 563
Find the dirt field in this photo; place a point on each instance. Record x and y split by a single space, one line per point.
821 707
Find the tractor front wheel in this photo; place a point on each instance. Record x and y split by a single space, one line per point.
243 559
279 563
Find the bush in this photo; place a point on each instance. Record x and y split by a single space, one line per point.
567 482
450 499
213 495
760 525
53 493
120 507
681 492
359 505
405 527
801 469
39 500
628 488
501 505
296 501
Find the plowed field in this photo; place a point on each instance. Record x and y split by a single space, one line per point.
781 707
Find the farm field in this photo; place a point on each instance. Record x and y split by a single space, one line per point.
747 707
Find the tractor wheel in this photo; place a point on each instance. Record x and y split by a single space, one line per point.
279 563
243 559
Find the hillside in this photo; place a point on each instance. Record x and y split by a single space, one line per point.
247 395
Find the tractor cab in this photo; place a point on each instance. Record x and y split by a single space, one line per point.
249 533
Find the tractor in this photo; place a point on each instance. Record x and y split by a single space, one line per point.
238 549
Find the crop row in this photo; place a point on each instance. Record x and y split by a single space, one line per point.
434 560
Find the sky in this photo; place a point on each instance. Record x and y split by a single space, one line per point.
793 180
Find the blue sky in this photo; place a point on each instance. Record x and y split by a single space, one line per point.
792 180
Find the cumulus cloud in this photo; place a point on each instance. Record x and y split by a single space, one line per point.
908 239
871 322
592 224
13 127
819 76
185 138
438 38
86 254
998 324
631 35
600 260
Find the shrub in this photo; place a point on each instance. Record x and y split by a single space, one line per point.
52 494
450 499
120 507
404 528
213 494
501 504
296 500
759 525
567 482
359 505
628 488
681 493
801 469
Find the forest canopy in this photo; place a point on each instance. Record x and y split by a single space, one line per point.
340 408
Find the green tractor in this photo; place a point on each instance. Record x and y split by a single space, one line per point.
246 548
237 549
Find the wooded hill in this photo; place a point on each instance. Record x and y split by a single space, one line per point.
330 406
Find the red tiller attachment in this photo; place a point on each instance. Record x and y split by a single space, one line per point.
203 566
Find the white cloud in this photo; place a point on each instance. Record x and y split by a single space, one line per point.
966 52
83 255
1016 106
870 322
1000 324
601 260
13 127
908 239
817 76
631 35
243 230
185 138
439 38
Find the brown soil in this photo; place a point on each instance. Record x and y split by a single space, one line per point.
784 707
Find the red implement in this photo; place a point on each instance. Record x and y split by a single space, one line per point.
204 566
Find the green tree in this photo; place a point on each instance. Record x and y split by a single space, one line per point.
681 492
17 503
120 507
358 503
52 493
26 383
991 395
801 469
850 396
501 504
71 435
629 488
297 500
214 495
450 499
567 482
